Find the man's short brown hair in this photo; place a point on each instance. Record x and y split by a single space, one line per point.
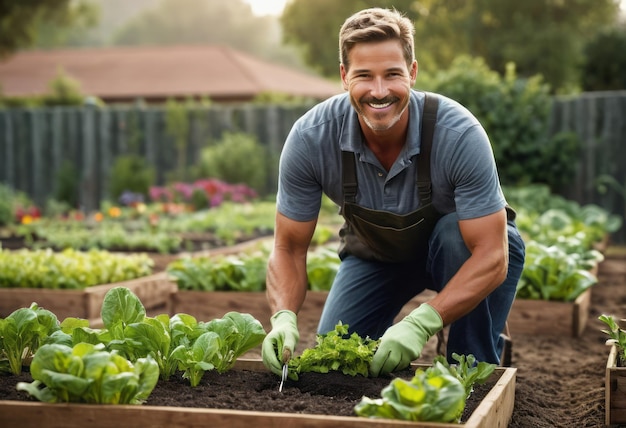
376 25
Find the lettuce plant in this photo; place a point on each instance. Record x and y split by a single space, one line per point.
238 333
550 273
337 351
22 333
468 370
198 359
88 373
218 343
176 343
434 394
437 394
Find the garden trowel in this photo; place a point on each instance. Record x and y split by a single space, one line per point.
286 357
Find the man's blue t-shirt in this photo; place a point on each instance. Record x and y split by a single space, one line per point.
463 170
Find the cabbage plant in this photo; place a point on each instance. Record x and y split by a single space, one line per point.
88 373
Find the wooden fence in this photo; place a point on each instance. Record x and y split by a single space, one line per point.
599 119
35 142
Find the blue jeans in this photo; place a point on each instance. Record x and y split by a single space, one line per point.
368 295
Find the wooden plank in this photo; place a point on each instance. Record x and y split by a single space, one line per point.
39 190
208 305
615 390
105 151
546 317
63 303
152 290
496 408
494 411
89 195
56 143
580 313
7 153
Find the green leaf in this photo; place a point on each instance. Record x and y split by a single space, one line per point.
121 307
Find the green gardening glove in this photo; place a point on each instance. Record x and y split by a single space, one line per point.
403 342
280 343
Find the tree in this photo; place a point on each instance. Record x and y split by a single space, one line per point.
544 37
540 36
19 20
604 68
314 26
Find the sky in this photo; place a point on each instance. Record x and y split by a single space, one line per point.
267 7
275 7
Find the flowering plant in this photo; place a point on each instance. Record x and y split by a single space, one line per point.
204 193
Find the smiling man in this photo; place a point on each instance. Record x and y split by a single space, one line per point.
416 180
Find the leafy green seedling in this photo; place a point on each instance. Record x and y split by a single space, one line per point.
22 333
338 351
617 336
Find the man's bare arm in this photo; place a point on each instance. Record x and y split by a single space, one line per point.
487 240
286 272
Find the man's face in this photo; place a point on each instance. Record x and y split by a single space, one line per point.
379 83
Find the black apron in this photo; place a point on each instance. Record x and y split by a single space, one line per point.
382 235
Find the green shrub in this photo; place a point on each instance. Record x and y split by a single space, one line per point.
66 185
6 205
515 113
131 173
237 158
64 90
14 205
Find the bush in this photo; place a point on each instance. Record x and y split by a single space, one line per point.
236 158
131 173
66 185
515 113
15 206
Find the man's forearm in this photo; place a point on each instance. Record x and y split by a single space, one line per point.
474 281
286 282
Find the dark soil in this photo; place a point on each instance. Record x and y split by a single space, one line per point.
560 379
313 393
245 390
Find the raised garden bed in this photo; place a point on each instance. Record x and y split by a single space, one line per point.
493 409
615 390
153 290
208 305
545 317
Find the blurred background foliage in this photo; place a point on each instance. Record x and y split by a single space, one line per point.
573 44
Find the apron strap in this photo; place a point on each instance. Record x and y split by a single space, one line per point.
429 118
348 173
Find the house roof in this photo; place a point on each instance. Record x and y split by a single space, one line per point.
156 73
